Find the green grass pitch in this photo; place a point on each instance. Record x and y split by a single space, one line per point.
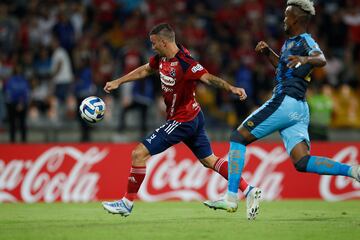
181 220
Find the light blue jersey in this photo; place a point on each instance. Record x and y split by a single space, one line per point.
287 111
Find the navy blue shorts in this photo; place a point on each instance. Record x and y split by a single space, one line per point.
191 133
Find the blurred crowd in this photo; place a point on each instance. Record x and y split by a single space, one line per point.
55 53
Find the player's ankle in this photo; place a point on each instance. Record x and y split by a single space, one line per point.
231 196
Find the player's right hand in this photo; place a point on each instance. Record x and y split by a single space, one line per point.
262 47
240 92
109 86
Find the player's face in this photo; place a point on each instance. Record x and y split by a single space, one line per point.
158 44
289 19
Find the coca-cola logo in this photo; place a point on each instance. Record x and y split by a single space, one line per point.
44 178
336 188
188 180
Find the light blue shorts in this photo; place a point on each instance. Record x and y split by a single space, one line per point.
284 114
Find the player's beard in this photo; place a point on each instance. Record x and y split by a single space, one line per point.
286 29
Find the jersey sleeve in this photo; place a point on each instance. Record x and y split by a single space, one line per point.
154 62
195 71
312 46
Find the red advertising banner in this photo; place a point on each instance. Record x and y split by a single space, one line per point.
90 172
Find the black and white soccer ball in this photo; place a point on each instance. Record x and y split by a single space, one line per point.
92 109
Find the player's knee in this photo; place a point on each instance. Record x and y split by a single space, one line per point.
137 157
302 164
236 136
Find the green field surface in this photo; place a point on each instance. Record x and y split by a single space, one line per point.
181 220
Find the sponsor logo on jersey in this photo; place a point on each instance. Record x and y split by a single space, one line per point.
169 81
166 89
173 64
197 68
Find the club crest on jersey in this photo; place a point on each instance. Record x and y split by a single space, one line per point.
290 45
172 72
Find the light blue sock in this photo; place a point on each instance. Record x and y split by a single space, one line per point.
326 166
235 165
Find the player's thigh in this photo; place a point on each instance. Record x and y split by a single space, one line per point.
294 135
169 134
199 144
297 132
270 117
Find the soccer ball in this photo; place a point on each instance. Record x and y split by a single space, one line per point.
92 109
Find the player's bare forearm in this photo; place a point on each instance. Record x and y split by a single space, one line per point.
221 83
263 48
137 74
215 81
273 58
316 59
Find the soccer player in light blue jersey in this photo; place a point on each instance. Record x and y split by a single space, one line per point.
287 110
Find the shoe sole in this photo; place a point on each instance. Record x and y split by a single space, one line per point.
254 211
230 210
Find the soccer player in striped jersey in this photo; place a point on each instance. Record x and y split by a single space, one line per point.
179 73
287 110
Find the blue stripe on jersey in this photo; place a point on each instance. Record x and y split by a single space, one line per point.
184 65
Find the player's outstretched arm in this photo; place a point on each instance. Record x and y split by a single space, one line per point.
139 73
263 48
220 83
317 59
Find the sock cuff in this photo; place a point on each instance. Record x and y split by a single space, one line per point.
138 170
219 163
237 146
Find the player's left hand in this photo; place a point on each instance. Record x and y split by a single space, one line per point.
240 92
296 61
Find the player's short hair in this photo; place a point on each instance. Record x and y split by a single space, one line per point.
305 5
164 30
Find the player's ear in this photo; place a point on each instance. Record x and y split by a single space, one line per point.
164 43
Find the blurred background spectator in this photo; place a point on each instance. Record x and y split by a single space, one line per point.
69 49
17 93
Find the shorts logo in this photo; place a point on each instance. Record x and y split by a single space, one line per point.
151 138
250 123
